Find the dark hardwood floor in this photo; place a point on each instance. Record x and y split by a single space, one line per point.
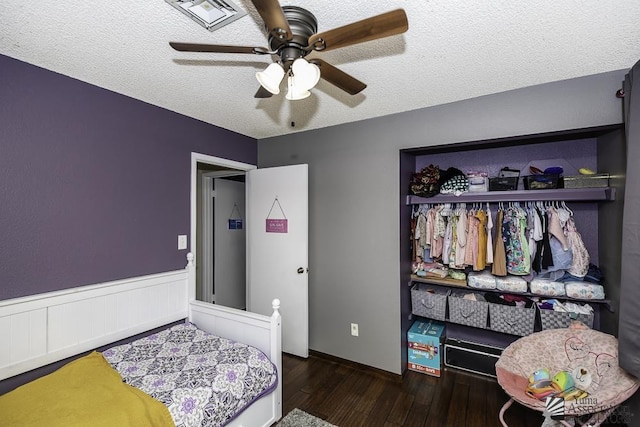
348 395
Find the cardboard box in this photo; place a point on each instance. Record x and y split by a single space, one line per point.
425 347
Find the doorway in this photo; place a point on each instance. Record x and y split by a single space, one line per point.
216 186
276 254
222 279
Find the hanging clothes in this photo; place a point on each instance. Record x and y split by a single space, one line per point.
447 214
547 256
581 259
499 267
471 249
481 258
437 239
489 247
555 228
543 258
431 218
516 243
412 234
462 238
455 217
420 236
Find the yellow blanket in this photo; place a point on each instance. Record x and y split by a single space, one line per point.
85 392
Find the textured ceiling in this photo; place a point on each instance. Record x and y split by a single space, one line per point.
453 50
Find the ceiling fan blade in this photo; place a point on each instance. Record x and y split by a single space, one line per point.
376 27
339 78
262 93
274 18
197 47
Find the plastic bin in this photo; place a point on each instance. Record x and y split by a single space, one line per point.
542 182
503 184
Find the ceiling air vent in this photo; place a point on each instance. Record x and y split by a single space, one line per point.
211 14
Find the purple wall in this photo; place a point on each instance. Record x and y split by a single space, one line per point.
94 186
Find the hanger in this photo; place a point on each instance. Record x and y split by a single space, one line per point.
564 205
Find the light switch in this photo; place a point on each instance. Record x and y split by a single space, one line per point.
182 241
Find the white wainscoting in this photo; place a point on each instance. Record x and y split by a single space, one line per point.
44 328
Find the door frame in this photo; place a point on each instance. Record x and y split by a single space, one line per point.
210 160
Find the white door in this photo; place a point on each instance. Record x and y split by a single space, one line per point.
277 249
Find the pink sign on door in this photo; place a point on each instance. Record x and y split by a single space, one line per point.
277 225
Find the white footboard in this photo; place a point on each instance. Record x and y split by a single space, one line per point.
262 332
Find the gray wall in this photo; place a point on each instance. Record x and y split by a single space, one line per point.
354 185
94 186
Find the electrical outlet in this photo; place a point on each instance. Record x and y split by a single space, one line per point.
354 329
182 242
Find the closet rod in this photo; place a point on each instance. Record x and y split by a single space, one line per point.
566 194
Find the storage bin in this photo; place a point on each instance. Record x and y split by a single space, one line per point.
511 319
467 312
478 181
507 180
597 180
584 290
429 301
511 284
542 182
547 287
473 357
481 280
503 183
551 319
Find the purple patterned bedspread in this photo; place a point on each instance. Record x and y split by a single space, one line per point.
203 379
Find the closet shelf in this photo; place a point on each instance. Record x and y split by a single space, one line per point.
448 282
560 194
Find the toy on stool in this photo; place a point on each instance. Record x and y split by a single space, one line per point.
540 384
582 378
565 387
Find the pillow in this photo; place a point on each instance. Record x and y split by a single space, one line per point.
86 391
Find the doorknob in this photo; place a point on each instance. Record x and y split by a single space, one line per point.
301 270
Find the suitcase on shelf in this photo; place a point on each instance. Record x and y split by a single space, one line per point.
471 357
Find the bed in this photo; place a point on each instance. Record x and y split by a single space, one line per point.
46 328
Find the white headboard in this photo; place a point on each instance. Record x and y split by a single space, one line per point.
44 328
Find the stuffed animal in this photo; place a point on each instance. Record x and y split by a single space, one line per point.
540 384
565 387
563 384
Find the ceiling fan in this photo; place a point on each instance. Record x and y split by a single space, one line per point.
292 35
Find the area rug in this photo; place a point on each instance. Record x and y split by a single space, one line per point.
299 418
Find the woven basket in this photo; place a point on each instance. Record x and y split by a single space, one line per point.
429 301
468 312
512 320
550 319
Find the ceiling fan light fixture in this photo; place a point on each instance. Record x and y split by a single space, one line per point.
271 77
294 91
306 74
